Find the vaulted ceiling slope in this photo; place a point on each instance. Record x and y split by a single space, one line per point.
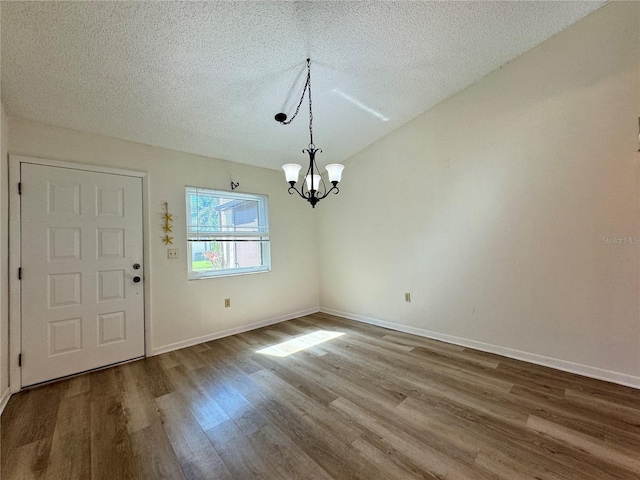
208 77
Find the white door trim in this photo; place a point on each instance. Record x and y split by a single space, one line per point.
15 333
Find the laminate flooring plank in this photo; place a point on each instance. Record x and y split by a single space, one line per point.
376 383
232 368
495 453
31 415
611 392
586 444
238 454
423 380
435 365
237 378
432 381
106 382
302 361
298 379
435 391
349 326
456 360
434 434
538 385
320 414
156 380
324 448
189 358
416 341
294 329
154 456
529 446
250 339
232 402
437 348
111 454
621 438
321 320
619 425
277 336
168 360
239 352
388 465
431 460
500 466
284 456
541 375
78 385
200 347
203 407
70 454
558 411
628 414
137 401
27 462
194 451
274 337
379 343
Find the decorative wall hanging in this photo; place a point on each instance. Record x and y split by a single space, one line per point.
168 224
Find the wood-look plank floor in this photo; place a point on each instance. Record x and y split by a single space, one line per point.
371 404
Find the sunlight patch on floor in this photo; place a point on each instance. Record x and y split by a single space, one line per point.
300 343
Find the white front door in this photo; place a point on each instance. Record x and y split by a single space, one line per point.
81 267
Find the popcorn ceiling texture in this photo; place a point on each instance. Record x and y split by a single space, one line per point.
208 77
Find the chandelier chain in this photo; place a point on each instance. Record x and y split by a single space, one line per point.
307 86
310 110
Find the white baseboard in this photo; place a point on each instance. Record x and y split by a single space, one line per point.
558 364
232 331
4 399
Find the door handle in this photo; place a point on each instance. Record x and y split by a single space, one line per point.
136 279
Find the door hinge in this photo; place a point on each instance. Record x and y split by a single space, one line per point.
19 359
20 273
19 188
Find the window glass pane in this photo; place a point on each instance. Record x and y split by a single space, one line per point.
226 255
228 233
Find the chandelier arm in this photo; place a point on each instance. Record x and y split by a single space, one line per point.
293 190
310 170
334 189
324 187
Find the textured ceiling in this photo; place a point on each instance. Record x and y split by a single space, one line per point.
208 77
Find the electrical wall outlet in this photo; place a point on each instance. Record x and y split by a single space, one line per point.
227 302
172 253
407 297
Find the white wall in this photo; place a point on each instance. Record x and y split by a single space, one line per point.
4 249
183 310
491 209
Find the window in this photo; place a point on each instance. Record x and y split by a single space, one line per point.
227 233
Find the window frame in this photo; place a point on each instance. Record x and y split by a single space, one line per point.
260 234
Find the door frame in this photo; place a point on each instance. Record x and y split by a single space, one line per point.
15 254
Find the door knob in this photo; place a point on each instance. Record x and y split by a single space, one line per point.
136 279
136 266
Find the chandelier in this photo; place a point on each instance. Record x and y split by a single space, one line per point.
313 187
